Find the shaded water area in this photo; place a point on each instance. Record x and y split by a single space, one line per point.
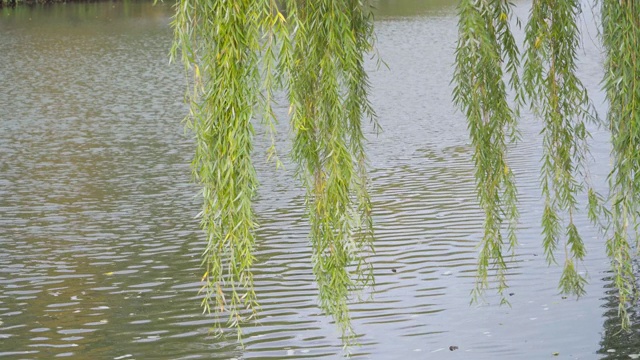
100 251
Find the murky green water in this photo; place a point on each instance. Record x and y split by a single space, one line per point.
99 249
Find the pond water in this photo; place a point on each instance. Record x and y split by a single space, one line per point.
100 251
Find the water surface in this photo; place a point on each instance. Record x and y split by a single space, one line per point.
100 251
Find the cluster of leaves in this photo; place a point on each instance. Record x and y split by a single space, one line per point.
221 43
560 100
485 45
621 37
240 52
327 87
550 85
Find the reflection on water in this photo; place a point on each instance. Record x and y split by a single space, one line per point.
412 8
616 344
100 251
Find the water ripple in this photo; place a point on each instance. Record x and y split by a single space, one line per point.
101 252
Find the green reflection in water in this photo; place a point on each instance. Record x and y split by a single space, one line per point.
63 15
408 8
617 344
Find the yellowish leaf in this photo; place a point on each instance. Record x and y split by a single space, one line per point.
538 42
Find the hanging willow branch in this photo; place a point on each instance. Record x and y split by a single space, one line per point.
239 52
485 48
485 45
222 42
560 100
328 96
621 37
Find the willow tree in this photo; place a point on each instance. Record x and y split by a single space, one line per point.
240 52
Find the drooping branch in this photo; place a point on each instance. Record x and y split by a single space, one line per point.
558 97
621 37
221 43
485 46
328 97
239 52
